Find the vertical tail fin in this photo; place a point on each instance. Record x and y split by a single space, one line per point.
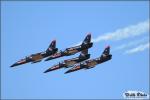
87 39
107 50
52 45
83 53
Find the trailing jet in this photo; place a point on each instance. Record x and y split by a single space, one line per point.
67 63
34 58
92 62
72 50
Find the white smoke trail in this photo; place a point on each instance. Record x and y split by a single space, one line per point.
139 48
131 43
123 33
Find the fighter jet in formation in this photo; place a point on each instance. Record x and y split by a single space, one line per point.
72 50
92 62
80 62
34 58
68 63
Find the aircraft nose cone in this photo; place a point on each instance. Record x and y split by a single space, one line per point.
67 72
15 64
12 65
55 67
46 71
47 59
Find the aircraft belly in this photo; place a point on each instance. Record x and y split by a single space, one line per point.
37 57
72 51
70 63
91 63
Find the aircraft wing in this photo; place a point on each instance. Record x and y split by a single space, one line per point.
77 67
55 67
54 56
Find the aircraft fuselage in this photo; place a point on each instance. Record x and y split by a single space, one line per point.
34 58
73 50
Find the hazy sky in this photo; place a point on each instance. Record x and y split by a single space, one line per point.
29 27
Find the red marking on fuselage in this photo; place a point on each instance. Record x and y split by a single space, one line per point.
21 61
55 67
56 55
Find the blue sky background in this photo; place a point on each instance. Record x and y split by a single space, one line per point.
29 27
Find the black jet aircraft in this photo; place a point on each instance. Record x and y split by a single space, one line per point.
34 58
92 62
72 50
67 63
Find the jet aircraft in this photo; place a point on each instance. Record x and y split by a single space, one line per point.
34 58
72 50
67 63
92 62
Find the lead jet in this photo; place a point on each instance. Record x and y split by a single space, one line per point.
68 63
72 50
92 62
34 58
